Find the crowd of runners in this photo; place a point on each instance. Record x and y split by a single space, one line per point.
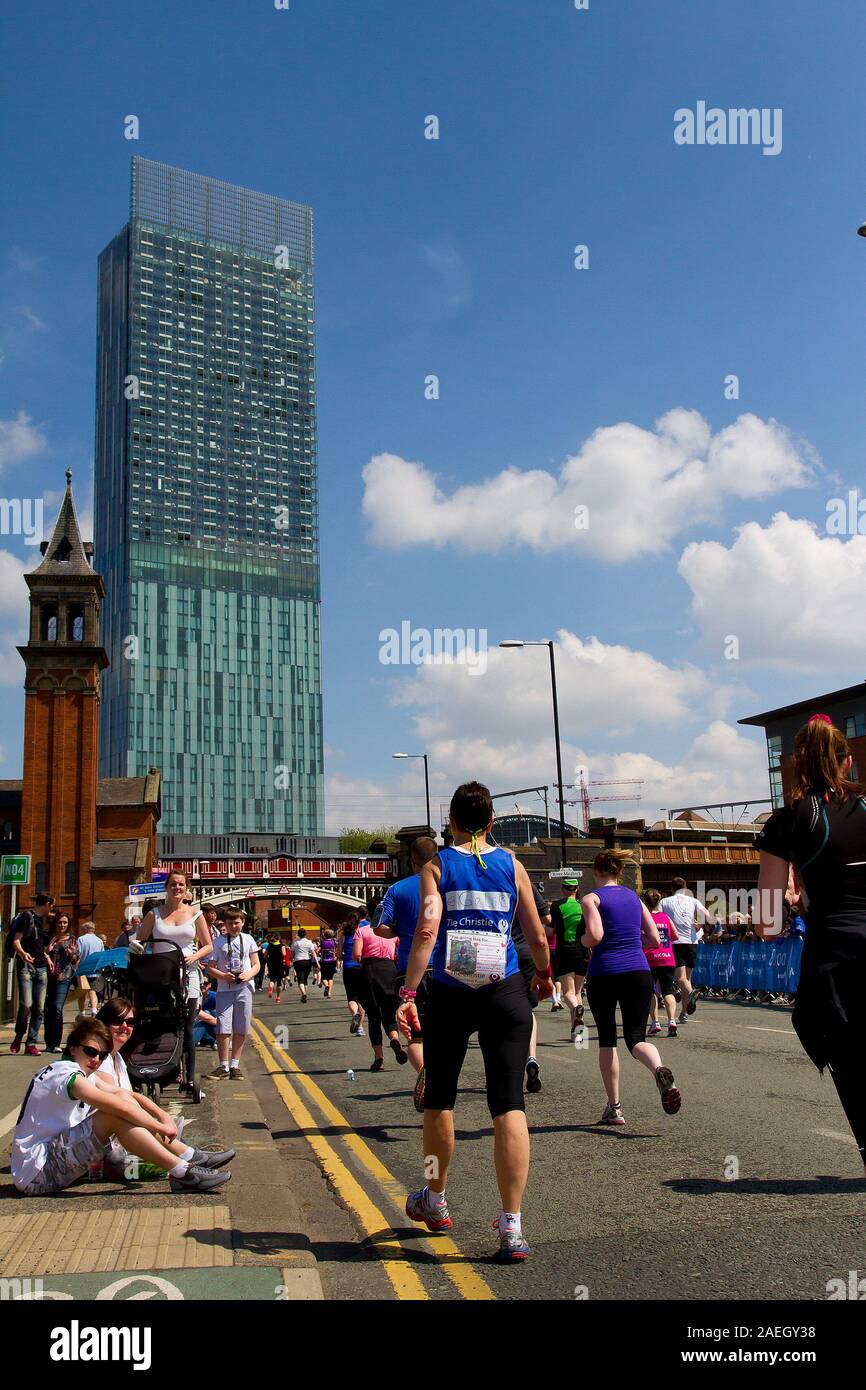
467 945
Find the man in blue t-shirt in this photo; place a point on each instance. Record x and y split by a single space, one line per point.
401 907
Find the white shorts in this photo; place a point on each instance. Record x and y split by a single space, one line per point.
70 1154
234 1009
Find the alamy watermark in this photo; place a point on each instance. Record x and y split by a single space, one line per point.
736 126
21 516
846 516
437 646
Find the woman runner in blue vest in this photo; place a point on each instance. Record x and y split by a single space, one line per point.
469 895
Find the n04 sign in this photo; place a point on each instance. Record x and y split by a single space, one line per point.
15 869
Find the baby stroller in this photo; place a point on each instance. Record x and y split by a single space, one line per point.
157 988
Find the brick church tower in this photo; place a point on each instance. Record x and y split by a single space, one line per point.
63 661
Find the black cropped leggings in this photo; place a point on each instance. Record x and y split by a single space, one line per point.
380 986
632 990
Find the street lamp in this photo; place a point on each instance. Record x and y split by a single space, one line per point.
513 642
426 778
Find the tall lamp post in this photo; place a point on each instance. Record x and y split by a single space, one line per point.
515 643
426 778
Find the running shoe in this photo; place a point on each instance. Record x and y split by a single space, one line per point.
434 1215
377 1065
398 1052
692 1004
612 1115
210 1158
576 1028
355 1023
361 1033
513 1248
672 1030
682 1019
219 1074
578 1014
199 1180
671 1098
15 1045
236 1074
31 1050
418 1093
653 1029
533 1076
303 998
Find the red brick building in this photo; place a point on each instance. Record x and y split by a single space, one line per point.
88 838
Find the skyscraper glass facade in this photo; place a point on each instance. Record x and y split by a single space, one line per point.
206 505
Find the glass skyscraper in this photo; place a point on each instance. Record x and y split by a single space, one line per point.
206 524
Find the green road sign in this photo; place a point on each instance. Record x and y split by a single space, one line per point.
15 869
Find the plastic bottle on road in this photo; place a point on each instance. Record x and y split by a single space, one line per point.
350 1075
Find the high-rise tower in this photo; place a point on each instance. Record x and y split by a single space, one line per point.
206 510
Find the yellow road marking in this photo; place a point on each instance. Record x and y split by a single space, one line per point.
455 1264
405 1281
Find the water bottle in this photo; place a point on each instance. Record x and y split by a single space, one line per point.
350 1075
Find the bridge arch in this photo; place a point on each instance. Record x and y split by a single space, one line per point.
345 895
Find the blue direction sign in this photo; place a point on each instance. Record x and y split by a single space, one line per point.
146 890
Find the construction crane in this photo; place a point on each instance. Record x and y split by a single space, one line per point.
583 799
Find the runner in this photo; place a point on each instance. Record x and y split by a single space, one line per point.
572 958
822 832
686 913
276 968
327 960
401 908
662 963
469 895
304 956
377 957
527 970
352 973
618 925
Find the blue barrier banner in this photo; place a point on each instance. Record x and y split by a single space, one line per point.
752 965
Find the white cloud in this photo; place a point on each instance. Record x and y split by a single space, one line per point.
641 487
609 688
13 590
792 597
20 440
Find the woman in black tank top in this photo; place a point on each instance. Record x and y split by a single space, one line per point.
822 834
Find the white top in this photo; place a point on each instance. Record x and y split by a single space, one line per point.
182 934
303 948
48 1110
233 953
114 1069
682 908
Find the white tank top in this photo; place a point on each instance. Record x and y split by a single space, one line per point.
180 934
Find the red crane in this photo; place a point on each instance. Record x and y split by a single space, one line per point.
584 797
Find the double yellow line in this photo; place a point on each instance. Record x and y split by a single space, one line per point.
404 1278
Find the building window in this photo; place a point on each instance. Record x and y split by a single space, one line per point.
76 624
49 624
774 750
41 884
69 877
855 725
7 830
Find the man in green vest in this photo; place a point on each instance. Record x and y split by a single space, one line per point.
571 959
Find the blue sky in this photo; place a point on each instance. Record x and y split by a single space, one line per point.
455 257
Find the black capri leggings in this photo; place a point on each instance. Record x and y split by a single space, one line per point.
380 987
501 1016
632 990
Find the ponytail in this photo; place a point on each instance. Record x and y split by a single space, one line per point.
818 765
611 862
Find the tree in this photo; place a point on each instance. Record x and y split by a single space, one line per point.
354 839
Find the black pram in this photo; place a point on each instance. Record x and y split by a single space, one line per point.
157 988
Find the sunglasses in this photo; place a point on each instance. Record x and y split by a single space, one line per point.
123 1023
93 1052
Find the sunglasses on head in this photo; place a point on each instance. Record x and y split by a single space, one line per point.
93 1052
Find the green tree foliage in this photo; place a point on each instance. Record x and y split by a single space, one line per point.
355 840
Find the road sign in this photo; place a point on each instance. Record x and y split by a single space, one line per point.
565 873
284 892
15 869
146 890
250 893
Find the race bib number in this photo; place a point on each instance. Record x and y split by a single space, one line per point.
475 958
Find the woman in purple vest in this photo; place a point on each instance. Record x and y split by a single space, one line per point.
618 926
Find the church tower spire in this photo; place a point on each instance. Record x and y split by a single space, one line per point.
63 660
